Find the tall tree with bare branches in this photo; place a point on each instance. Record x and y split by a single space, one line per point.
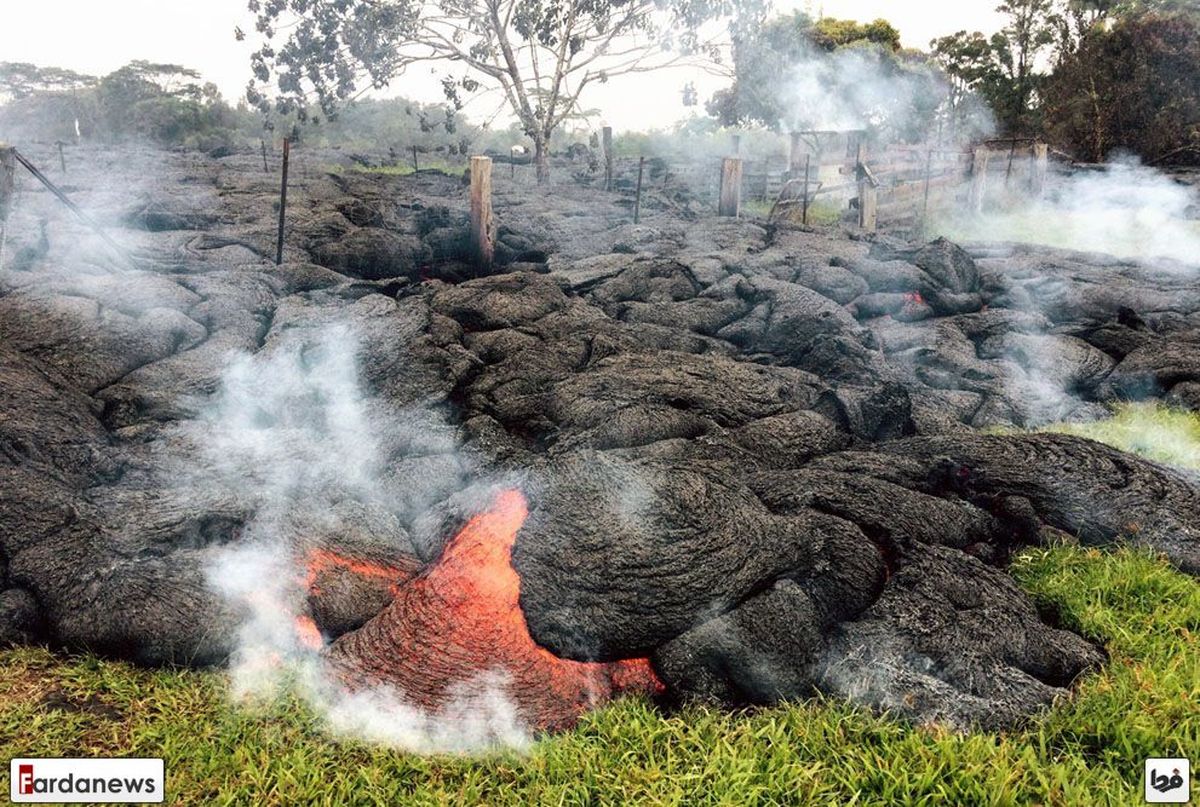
538 55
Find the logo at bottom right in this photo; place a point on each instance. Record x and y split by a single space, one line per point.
1168 781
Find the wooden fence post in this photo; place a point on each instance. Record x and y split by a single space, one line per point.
804 204
266 169
637 199
925 199
868 205
416 167
287 151
483 226
606 140
736 142
730 202
794 156
868 194
979 170
8 179
1037 174
62 157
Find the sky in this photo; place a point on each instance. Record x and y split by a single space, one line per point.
98 36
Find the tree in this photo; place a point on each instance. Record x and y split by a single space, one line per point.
20 80
1002 68
539 55
1134 87
797 74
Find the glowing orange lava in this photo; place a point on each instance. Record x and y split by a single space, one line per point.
308 633
322 560
461 618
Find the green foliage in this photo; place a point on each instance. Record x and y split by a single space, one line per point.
829 33
20 80
1132 87
1002 68
537 56
794 73
1088 750
1148 429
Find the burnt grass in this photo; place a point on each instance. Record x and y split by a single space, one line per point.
777 461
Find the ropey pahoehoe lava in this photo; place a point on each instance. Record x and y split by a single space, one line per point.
758 462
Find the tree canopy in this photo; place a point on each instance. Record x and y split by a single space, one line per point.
538 56
795 73
1132 87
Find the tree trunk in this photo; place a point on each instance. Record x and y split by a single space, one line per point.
541 158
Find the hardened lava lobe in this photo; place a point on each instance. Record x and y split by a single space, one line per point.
738 462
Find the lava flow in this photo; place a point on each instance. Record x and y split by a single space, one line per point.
461 619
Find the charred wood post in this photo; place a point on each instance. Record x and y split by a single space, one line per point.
868 195
287 152
637 199
8 178
1037 173
794 156
804 204
925 198
606 140
979 169
730 201
483 226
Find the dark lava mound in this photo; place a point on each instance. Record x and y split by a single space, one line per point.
737 463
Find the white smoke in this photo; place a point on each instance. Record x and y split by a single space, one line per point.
850 88
1127 210
292 431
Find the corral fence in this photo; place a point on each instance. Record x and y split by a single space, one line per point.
895 186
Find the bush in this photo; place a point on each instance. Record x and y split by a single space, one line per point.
1134 87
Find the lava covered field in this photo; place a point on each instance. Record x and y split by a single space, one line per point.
695 457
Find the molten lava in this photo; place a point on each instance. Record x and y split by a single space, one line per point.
460 619
321 561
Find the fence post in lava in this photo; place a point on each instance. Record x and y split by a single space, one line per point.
287 152
637 198
794 156
483 228
730 201
804 204
979 169
8 179
925 199
606 142
1037 174
868 196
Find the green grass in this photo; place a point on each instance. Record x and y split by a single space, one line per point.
1149 429
819 213
1126 237
398 170
1087 750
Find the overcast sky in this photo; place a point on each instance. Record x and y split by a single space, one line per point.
98 36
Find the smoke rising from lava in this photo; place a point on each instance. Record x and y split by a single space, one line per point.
1126 209
292 428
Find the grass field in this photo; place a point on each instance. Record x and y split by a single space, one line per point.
1088 750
